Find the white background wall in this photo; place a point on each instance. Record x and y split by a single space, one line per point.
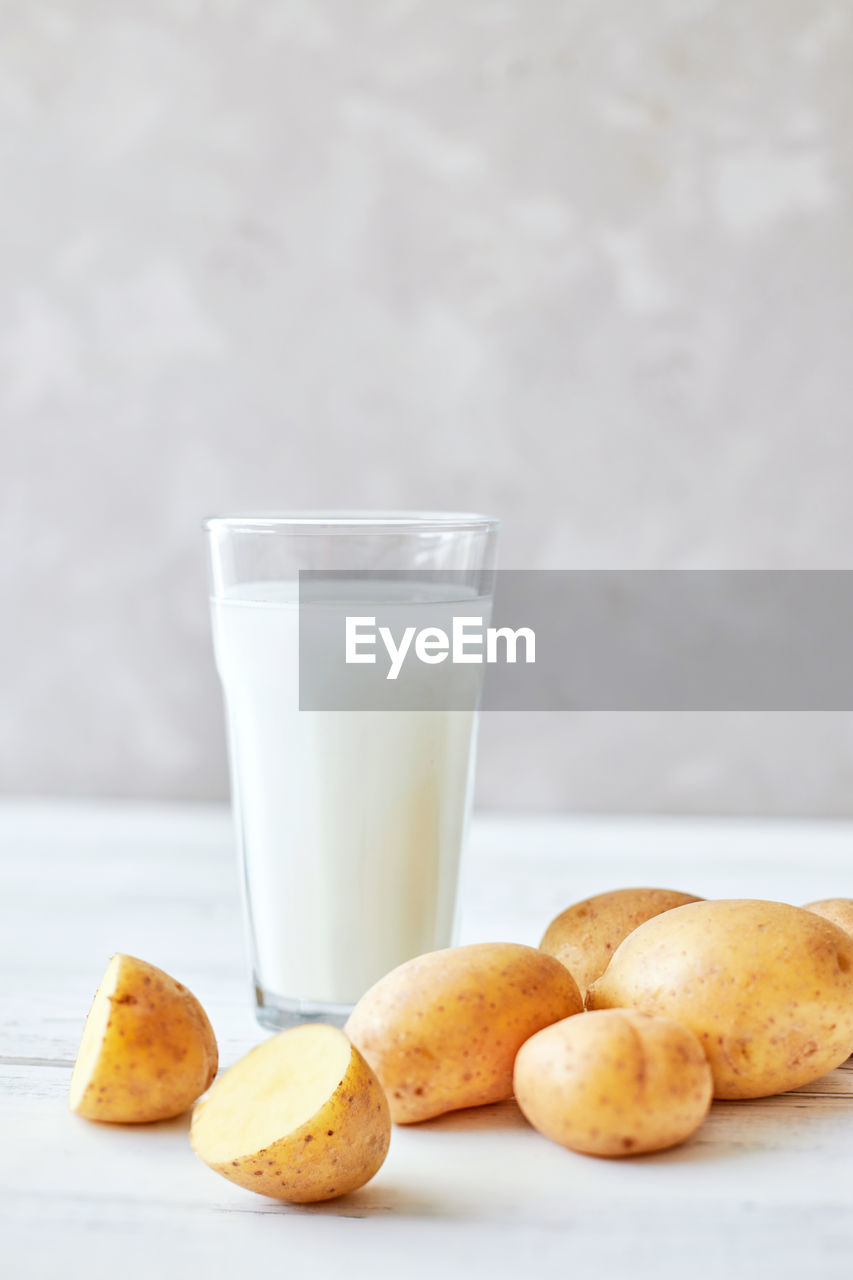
587 265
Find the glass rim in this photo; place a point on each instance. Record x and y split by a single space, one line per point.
354 521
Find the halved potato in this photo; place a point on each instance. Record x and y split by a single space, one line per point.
301 1117
148 1050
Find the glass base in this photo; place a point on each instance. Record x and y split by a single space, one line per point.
277 1013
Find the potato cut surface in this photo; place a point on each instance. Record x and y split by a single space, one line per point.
275 1089
93 1035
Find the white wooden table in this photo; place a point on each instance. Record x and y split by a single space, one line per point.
765 1188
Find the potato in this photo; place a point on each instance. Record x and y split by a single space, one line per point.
766 987
838 910
148 1050
614 1083
584 936
302 1117
442 1030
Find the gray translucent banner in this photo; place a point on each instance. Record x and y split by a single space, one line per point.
668 640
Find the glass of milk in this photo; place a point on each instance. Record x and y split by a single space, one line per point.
350 823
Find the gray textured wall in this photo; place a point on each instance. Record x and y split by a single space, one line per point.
587 265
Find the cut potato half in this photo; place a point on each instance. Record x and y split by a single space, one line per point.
302 1117
148 1050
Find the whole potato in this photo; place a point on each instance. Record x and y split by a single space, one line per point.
585 935
838 910
614 1083
442 1031
767 988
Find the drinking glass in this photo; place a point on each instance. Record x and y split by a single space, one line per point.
350 823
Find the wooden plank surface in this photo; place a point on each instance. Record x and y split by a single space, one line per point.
765 1187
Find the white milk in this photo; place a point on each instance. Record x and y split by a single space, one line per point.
350 823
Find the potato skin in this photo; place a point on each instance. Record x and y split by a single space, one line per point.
339 1149
838 910
585 935
614 1083
158 1054
767 988
442 1031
